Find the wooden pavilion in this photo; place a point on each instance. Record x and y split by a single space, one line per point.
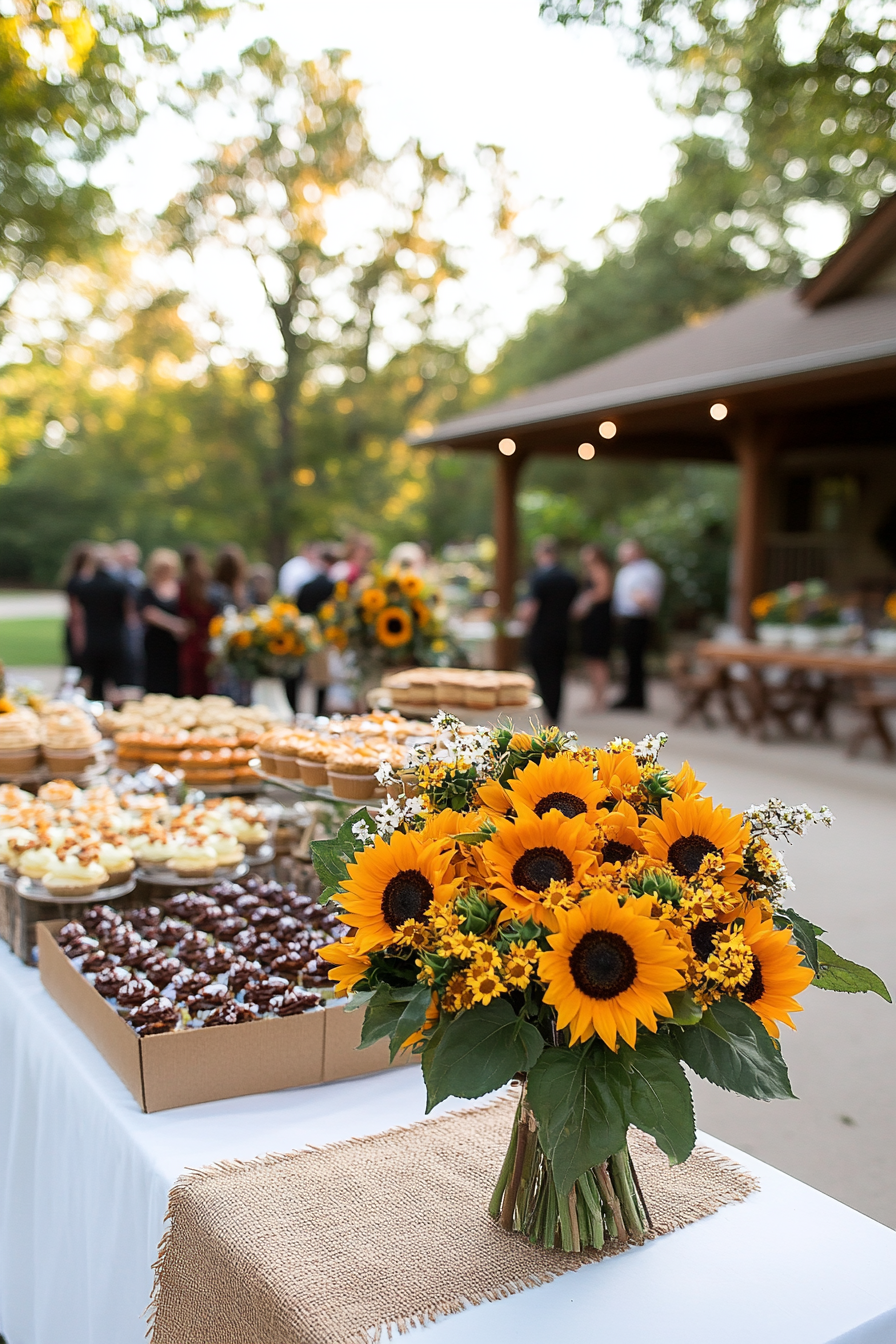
797 387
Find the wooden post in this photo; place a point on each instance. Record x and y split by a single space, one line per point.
752 449
507 470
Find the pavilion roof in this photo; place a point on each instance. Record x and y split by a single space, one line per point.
774 338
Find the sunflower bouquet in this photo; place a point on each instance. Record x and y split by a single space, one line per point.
391 619
588 922
267 641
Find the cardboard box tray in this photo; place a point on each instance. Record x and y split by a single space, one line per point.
182 1068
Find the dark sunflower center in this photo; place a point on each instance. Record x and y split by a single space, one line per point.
688 852
754 987
408 895
702 936
616 852
567 803
603 965
394 625
538 868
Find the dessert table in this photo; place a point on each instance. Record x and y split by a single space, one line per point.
84 1181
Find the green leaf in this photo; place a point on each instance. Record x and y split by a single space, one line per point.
846 977
579 1097
359 998
748 1061
412 1018
686 1011
660 1099
384 1012
480 1049
331 856
804 935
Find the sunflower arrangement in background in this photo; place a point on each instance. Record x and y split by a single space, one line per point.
268 641
390 619
585 920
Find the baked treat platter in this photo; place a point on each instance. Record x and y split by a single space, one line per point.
36 891
321 793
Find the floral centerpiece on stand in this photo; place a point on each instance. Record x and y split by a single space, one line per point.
267 641
389 619
586 921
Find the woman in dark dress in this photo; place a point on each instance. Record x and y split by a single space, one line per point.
163 629
197 609
592 609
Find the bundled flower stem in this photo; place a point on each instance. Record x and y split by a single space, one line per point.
604 1203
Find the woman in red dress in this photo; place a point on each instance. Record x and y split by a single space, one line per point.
198 608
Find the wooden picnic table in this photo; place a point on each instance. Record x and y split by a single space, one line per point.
798 702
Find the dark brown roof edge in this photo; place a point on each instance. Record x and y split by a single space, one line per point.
867 246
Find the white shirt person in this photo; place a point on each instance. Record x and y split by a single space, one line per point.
637 594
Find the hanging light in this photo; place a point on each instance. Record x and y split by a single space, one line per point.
606 429
586 451
507 447
718 410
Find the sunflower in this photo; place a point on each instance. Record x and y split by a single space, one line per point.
335 635
372 601
524 858
327 612
242 639
691 829
393 882
494 798
215 626
621 835
484 984
349 966
560 784
609 968
410 584
778 972
685 783
340 592
422 612
619 772
763 604
393 627
282 644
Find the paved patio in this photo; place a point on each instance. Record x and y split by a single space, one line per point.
839 1136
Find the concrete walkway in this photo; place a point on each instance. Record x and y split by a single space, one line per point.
839 1136
31 606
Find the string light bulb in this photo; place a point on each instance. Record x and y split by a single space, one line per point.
507 447
718 410
607 429
586 451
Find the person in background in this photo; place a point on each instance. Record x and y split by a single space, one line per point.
158 603
127 556
592 610
298 571
546 613
78 565
108 605
261 583
309 600
359 552
637 594
127 562
230 578
197 609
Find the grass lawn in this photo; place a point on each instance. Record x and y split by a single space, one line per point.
31 643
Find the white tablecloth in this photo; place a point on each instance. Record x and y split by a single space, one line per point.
84 1180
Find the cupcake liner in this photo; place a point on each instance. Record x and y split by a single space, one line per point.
356 787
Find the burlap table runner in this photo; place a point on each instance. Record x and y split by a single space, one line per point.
340 1245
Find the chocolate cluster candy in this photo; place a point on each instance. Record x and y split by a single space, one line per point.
153 1017
235 953
231 1013
294 1001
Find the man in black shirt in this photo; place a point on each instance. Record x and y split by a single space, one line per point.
107 602
546 611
